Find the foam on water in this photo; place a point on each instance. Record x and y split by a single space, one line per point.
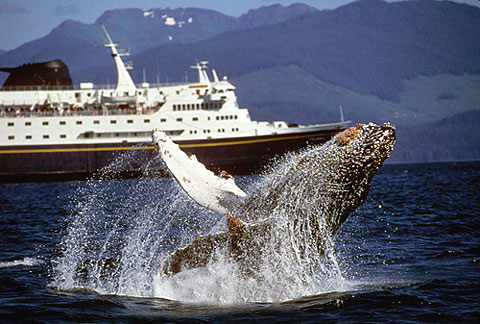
120 231
25 262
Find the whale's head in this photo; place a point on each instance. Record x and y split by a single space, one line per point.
365 145
323 185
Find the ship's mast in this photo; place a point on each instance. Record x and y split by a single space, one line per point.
202 73
124 81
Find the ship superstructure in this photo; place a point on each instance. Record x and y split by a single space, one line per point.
64 129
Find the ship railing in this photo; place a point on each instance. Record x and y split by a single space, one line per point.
87 111
80 87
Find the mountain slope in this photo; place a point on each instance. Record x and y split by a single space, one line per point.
77 43
273 14
368 47
450 139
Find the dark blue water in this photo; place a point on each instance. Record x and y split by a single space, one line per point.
410 254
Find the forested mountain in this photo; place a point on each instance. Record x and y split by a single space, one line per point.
77 43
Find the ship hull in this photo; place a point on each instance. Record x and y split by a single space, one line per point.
238 156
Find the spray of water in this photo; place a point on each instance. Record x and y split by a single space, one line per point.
120 232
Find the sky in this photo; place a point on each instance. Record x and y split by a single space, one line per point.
25 20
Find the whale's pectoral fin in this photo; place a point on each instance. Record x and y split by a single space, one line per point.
217 193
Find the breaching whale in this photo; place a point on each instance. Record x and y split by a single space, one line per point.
301 204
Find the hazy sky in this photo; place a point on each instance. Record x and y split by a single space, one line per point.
25 20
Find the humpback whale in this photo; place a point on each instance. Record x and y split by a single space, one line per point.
296 209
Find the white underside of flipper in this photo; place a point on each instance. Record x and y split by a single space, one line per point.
202 185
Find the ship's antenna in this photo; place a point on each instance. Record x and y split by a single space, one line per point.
124 81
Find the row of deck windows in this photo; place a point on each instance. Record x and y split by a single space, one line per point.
227 117
203 106
29 137
207 131
79 122
129 121
62 136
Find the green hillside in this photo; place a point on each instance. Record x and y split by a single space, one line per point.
293 94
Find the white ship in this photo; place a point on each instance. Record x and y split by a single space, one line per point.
53 131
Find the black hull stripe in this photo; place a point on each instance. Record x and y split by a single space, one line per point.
151 147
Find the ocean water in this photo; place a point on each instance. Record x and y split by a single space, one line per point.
86 252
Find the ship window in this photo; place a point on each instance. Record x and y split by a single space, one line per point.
188 107
146 120
96 122
63 136
183 107
163 120
11 137
45 123
130 121
179 119
79 122
222 117
117 134
235 116
218 118
98 135
174 107
195 118
46 136
77 94
28 137
28 123
62 122
113 121
11 124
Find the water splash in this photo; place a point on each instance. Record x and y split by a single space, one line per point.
120 231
